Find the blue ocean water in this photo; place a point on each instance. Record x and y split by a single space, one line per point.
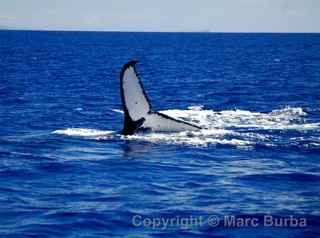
65 170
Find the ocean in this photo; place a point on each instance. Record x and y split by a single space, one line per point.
66 170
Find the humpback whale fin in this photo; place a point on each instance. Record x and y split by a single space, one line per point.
138 113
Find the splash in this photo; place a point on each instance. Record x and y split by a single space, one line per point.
283 119
238 128
82 132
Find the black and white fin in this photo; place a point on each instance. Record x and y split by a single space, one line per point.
138 114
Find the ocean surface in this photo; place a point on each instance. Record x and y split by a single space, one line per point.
66 171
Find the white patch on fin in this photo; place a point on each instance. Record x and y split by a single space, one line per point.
135 99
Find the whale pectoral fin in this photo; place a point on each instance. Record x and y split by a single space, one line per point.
134 98
137 108
161 122
130 127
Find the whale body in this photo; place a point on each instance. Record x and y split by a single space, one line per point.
138 113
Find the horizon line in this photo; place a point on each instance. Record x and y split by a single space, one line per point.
148 31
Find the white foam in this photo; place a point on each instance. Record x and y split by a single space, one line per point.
240 128
117 110
197 139
82 132
285 119
196 107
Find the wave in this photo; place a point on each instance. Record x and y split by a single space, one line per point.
82 132
239 128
